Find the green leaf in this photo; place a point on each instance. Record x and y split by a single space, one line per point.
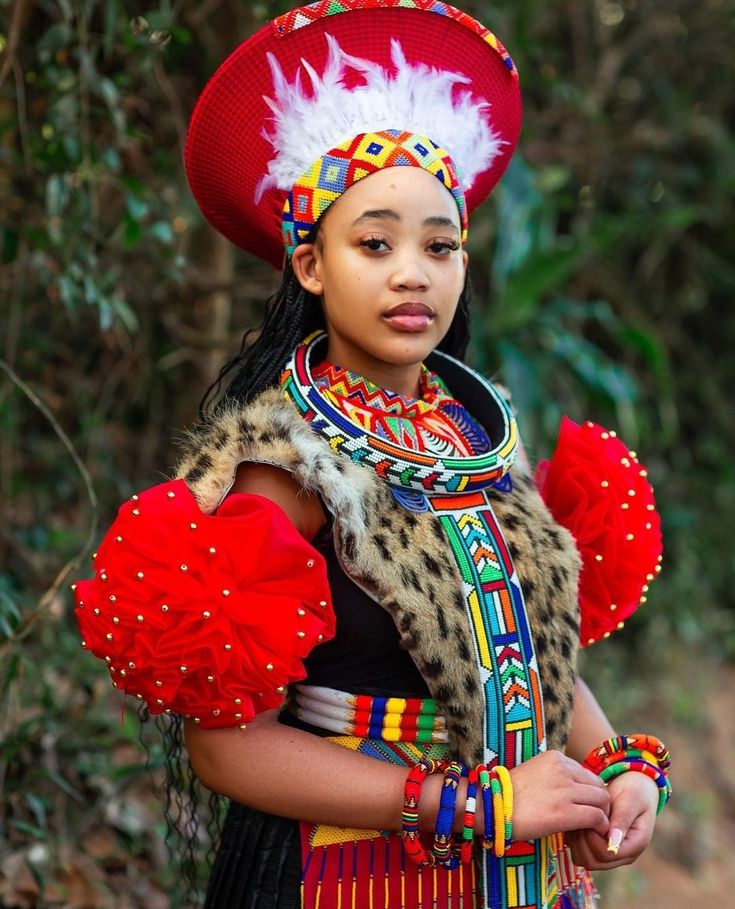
182 35
11 672
38 808
55 38
9 245
125 314
131 231
56 195
25 827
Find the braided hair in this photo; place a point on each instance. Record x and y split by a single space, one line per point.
291 314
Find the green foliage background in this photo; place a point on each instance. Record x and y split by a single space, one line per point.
604 273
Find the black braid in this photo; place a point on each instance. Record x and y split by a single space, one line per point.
290 315
193 816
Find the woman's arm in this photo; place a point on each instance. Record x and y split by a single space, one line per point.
292 773
633 796
590 726
303 508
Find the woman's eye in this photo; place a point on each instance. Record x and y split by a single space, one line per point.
443 247
373 243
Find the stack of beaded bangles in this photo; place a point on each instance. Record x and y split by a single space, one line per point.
449 851
644 753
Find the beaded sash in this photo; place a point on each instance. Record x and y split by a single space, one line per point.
453 488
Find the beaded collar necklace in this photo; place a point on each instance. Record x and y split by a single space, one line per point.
434 422
422 472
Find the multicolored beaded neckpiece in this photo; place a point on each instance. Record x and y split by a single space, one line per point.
372 441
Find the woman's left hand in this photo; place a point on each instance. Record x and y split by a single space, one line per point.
633 803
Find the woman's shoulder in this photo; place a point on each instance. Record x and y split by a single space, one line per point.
271 432
302 507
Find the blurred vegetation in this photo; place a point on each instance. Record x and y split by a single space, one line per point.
604 278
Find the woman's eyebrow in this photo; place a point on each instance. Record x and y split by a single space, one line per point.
440 221
374 214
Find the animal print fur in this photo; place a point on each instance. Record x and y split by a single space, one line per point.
401 558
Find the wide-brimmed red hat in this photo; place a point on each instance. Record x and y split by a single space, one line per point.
230 146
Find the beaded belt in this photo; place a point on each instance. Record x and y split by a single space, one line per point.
390 719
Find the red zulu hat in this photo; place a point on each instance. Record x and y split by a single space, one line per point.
310 81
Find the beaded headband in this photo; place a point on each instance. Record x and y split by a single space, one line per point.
333 174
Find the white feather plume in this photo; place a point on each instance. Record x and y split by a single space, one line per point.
418 98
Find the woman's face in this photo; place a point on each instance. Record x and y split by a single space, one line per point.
389 268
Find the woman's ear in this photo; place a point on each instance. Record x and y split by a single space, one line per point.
306 264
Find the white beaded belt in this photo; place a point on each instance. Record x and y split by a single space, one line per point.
390 719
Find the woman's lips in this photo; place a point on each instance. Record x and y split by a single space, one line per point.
410 316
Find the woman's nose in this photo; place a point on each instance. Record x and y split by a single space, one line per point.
409 273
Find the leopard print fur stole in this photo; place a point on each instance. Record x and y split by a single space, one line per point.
403 561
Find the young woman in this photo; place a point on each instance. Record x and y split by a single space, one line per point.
352 528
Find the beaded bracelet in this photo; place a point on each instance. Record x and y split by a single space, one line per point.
639 751
410 815
499 814
650 770
443 839
506 785
487 805
610 749
470 809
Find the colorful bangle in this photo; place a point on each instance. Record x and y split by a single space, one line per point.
499 814
650 770
507 790
443 839
644 753
487 805
609 750
470 810
410 815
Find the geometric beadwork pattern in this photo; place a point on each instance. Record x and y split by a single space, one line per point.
434 421
295 19
514 721
400 467
332 174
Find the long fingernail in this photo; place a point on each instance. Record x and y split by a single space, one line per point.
614 840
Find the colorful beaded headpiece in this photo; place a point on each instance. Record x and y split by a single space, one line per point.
334 173
328 93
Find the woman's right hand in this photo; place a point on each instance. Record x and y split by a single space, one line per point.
553 793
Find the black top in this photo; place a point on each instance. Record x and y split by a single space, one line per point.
365 656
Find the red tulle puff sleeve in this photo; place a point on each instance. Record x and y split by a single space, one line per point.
596 488
209 616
